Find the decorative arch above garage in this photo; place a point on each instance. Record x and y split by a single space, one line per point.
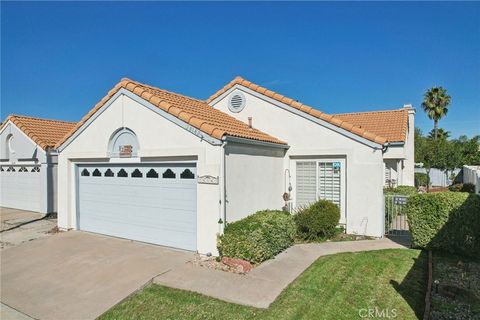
123 144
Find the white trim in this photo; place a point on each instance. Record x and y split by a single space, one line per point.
298 113
146 104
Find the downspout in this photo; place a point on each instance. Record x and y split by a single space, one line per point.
385 147
223 215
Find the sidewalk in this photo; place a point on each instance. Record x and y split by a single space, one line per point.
260 287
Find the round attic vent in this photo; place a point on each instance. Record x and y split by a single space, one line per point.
236 102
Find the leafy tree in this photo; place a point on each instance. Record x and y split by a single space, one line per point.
469 149
435 155
446 155
435 104
441 134
420 143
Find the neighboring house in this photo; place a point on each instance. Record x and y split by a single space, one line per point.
28 162
156 166
398 127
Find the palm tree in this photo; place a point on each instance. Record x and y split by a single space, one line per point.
442 134
435 104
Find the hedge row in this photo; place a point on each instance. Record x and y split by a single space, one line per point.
448 221
258 237
401 190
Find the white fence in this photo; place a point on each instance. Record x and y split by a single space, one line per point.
471 174
438 178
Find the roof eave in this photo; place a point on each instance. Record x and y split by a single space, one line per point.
377 142
234 139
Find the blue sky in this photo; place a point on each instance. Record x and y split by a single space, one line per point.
58 59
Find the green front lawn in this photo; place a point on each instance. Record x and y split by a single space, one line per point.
334 287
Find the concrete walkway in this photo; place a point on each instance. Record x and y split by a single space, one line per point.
262 285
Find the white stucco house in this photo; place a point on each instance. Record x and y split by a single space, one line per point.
155 166
28 162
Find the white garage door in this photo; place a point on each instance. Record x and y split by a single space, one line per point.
20 187
150 203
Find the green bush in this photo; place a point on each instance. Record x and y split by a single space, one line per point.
448 221
401 190
258 237
318 221
421 179
462 187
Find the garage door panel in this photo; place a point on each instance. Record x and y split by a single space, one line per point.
169 200
21 188
138 215
118 224
143 204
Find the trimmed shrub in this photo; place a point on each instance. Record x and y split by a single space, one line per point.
318 221
421 179
401 190
448 221
258 237
462 187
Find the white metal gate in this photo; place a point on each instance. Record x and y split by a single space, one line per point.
155 203
396 223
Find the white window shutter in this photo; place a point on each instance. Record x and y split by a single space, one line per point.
306 183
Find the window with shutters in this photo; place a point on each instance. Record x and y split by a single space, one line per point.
329 180
318 180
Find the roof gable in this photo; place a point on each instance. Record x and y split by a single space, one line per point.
391 124
46 133
194 112
331 119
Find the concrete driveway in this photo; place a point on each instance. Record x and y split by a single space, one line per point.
18 226
12 218
78 275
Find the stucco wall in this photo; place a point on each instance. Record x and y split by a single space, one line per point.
307 139
160 140
24 148
254 179
404 154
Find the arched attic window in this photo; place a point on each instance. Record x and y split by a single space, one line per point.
123 144
9 146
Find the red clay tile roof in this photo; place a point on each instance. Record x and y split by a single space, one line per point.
195 112
391 124
362 132
44 132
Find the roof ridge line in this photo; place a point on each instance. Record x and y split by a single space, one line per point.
160 89
330 118
161 99
372 111
13 115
